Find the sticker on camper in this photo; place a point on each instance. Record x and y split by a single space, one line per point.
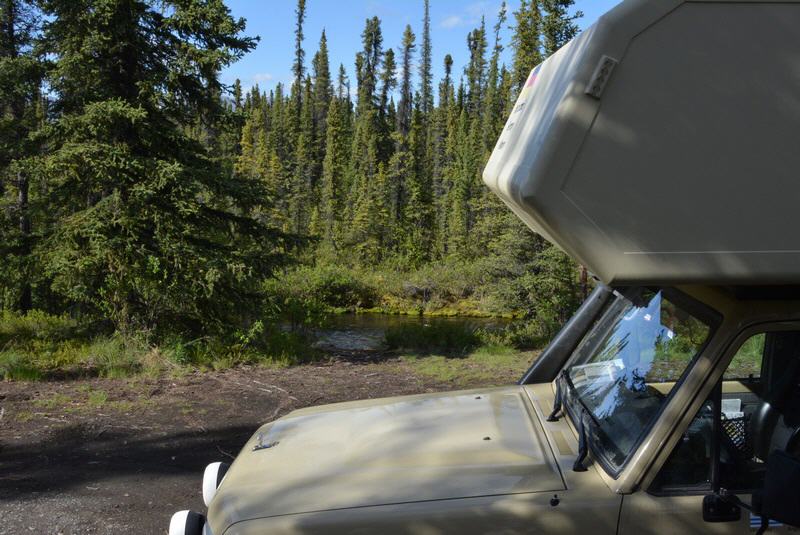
523 95
534 74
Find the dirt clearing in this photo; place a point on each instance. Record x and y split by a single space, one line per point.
120 456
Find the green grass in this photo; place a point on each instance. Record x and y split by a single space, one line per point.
53 402
115 357
493 364
104 356
97 398
14 366
24 416
38 346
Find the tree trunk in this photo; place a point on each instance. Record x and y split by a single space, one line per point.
25 299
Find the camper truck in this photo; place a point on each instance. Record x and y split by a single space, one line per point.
660 150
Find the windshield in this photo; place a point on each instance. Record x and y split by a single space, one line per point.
627 365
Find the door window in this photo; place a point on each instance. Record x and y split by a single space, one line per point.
746 363
689 468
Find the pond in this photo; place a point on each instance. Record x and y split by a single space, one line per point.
365 332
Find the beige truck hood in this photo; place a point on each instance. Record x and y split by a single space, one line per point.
389 451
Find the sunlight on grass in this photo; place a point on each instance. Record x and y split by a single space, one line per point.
15 366
38 346
97 398
493 364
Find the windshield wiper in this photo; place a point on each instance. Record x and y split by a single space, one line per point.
557 402
584 437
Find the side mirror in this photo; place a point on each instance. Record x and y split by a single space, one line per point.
780 499
718 509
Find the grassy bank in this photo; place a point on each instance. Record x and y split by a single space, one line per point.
279 332
37 346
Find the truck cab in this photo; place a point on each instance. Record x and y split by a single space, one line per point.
654 410
658 150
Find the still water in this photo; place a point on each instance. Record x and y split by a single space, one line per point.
365 332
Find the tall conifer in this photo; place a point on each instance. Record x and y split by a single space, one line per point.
151 233
20 115
527 41
425 60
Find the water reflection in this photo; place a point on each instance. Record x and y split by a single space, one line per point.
642 339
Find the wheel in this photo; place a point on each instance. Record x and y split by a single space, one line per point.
187 523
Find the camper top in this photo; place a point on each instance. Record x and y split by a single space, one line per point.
662 144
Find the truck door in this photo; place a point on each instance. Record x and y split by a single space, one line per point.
743 437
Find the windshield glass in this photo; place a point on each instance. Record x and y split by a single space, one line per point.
626 366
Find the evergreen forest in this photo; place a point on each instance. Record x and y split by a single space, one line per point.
145 206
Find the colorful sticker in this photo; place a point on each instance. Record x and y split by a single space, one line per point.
534 74
529 83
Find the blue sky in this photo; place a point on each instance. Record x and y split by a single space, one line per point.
343 20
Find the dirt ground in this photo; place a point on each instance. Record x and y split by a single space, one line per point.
120 456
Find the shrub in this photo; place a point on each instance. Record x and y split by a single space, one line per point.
261 344
519 335
16 329
330 285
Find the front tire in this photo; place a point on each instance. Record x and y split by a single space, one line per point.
187 523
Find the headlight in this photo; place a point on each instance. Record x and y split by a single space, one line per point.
188 523
212 477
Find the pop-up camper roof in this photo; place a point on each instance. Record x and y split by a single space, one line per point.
663 144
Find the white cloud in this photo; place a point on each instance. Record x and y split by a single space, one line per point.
262 77
470 15
477 10
453 21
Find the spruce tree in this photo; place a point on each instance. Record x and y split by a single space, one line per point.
494 106
302 195
323 89
558 26
237 95
476 71
459 179
334 169
20 116
151 233
367 229
342 84
425 61
386 115
441 157
404 107
418 218
298 68
527 41
491 215
424 159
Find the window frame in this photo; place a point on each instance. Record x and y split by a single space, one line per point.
741 337
712 318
